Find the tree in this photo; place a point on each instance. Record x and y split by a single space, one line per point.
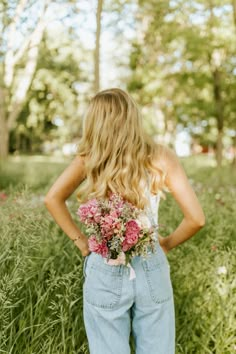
183 64
51 108
19 60
97 47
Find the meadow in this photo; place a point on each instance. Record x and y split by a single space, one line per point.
41 270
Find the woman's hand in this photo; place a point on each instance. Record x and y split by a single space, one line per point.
162 241
85 254
85 249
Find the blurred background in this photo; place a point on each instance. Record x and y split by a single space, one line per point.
178 60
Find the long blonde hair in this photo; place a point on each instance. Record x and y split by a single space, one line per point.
117 150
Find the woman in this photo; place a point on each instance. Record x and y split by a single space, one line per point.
116 155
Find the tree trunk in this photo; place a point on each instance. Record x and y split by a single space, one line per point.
97 47
219 148
4 138
234 11
219 111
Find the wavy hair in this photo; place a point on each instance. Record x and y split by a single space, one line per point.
117 150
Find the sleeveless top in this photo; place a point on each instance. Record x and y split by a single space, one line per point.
154 200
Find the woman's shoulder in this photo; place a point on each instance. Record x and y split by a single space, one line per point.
165 156
166 160
81 158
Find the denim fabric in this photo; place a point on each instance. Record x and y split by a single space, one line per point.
114 305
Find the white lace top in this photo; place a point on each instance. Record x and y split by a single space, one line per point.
154 201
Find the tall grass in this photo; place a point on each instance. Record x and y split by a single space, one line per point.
41 270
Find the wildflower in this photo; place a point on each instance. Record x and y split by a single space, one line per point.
94 246
131 235
222 270
3 196
109 223
89 212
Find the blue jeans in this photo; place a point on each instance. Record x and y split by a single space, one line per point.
114 305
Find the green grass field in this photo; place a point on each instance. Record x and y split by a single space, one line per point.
41 269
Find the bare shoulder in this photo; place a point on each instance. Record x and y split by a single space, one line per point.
168 161
166 158
78 159
77 167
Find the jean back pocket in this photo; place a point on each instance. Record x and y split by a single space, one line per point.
102 288
157 273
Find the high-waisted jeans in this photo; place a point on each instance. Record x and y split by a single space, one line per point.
114 305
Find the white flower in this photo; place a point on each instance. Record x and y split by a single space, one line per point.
143 221
222 270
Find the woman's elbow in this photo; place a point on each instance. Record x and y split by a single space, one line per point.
200 221
49 200
52 199
197 221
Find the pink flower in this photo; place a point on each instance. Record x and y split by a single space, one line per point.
114 214
131 235
89 212
109 224
116 202
97 216
3 196
96 247
126 246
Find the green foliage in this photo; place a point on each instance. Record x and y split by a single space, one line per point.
35 172
170 48
53 95
41 282
41 270
173 60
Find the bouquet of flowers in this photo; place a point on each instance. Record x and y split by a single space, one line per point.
117 229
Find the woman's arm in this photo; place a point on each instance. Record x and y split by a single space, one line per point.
55 199
179 186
